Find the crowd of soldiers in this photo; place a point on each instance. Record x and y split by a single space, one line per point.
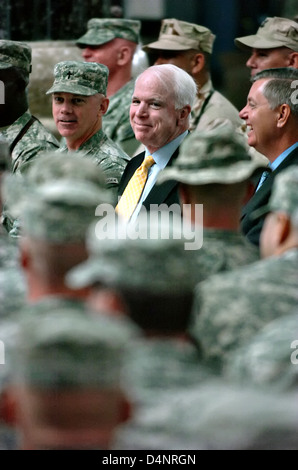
148 257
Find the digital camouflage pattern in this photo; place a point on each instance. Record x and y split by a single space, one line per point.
273 32
213 415
265 360
111 159
215 156
81 78
12 291
65 347
223 250
230 308
69 186
60 212
36 140
155 261
15 54
8 250
158 364
116 121
180 35
103 30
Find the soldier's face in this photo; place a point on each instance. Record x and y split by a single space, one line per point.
182 59
105 54
153 116
261 59
78 117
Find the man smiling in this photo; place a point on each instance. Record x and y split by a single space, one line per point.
274 45
78 102
159 115
271 114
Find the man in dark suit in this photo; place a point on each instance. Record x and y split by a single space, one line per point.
271 115
159 115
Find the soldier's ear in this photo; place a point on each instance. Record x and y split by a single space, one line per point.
198 63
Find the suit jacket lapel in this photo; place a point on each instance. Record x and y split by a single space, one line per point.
159 192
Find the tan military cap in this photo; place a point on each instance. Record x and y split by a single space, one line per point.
179 35
273 32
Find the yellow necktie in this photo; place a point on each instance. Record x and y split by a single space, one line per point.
134 189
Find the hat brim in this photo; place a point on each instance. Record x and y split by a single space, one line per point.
165 45
255 42
230 175
71 88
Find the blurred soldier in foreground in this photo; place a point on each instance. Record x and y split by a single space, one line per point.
189 46
275 44
26 136
113 42
214 169
55 204
12 285
230 308
66 380
152 278
79 102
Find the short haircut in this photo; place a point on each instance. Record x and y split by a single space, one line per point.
183 85
280 88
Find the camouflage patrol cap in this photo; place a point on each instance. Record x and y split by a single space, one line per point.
80 78
214 156
149 256
176 35
274 32
284 195
68 348
102 30
15 54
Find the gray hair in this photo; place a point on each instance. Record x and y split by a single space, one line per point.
183 85
280 88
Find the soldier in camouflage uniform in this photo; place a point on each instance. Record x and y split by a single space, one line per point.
189 46
230 308
275 44
214 169
54 204
26 136
270 358
155 277
113 42
214 415
79 102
